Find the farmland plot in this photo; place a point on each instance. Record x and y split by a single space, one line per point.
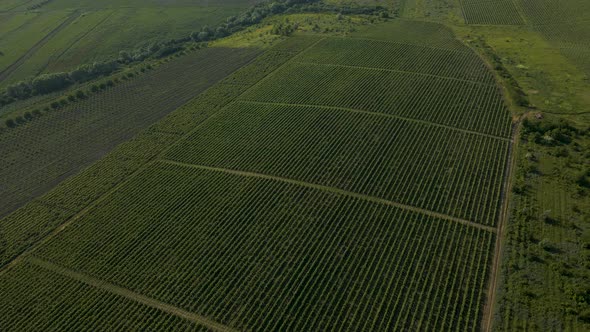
56 303
292 211
264 254
38 155
26 226
493 12
565 25
426 166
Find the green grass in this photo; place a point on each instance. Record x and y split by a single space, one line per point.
7 5
552 82
565 25
92 4
17 42
13 21
51 52
435 10
126 29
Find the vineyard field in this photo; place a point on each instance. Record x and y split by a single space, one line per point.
448 171
492 12
56 303
97 31
462 104
565 25
34 221
349 184
17 40
457 64
418 33
261 251
41 153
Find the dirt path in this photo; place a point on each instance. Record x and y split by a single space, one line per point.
14 66
488 314
337 191
129 294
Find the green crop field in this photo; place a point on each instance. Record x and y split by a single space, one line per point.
502 12
84 131
328 189
302 165
95 30
563 23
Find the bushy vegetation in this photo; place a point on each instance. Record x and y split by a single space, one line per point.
546 270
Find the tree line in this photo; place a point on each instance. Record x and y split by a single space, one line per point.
48 83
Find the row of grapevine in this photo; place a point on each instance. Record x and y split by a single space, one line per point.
542 12
77 192
401 57
492 12
22 228
38 155
34 299
461 104
267 255
431 167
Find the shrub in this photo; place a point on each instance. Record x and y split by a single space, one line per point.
10 123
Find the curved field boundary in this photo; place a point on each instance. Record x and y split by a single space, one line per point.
100 284
394 71
337 191
10 69
467 131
